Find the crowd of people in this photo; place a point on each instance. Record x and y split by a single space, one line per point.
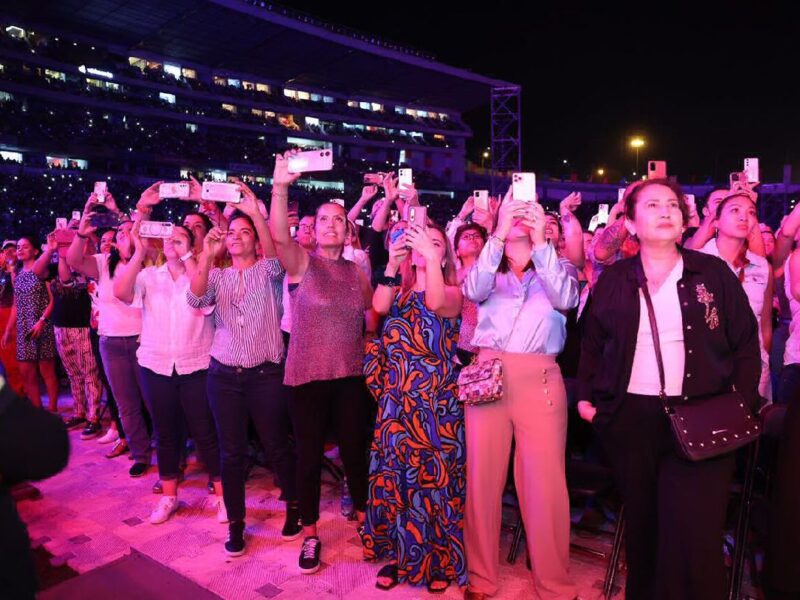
311 327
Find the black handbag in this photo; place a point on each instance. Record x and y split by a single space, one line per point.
707 426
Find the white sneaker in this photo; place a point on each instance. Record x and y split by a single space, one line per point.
110 436
222 512
167 506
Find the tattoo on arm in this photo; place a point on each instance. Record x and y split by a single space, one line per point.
566 218
611 237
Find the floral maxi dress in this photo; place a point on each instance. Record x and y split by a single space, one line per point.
417 489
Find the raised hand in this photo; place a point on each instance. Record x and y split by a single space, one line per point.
570 204
281 176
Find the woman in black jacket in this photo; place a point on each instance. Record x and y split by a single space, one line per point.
675 508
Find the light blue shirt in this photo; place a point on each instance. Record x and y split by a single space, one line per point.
522 316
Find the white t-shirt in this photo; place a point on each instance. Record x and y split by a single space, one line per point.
115 318
667 306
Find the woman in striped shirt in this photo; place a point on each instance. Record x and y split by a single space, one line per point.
247 359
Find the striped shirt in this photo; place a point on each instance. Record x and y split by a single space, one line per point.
247 313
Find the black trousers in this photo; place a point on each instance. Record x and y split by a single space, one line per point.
674 508
258 392
345 404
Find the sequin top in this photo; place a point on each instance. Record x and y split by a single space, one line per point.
327 323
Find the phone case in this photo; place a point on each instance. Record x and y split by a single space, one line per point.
314 160
524 186
751 169
656 169
173 190
405 177
155 229
481 199
217 191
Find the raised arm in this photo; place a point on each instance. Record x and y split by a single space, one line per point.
560 283
368 192
381 219
250 206
125 280
293 258
41 267
573 232
606 245
76 255
384 292
445 300
200 295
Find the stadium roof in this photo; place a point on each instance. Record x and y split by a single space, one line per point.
259 38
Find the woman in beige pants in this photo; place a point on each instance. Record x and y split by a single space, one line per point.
520 284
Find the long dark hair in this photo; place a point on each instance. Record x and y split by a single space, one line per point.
113 260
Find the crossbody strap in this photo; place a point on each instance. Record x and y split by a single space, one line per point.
651 313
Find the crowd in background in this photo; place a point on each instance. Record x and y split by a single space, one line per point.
295 318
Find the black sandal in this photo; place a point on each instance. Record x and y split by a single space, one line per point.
387 572
438 590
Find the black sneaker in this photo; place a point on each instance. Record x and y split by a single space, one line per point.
91 430
235 544
309 555
74 422
291 526
138 469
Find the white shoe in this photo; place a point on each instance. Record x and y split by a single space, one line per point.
222 512
110 436
167 506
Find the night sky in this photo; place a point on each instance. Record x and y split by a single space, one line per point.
706 86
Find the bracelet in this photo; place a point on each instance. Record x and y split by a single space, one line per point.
390 281
498 238
83 237
186 256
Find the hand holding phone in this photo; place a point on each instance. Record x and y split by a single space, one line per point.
100 191
218 191
656 169
180 190
156 229
481 199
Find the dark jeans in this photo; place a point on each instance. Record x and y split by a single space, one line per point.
110 402
788 384
235 393
125 378
674 508
346 404
174 400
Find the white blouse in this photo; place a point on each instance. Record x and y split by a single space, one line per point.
667 306
115 318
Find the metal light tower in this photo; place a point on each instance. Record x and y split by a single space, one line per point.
506 131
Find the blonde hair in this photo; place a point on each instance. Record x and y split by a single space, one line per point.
408 271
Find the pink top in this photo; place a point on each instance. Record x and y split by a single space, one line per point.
327 323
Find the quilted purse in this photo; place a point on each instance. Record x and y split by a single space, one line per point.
481 382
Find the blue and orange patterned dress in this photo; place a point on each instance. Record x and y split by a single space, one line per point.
417 489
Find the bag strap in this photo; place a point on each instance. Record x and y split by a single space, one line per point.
654 331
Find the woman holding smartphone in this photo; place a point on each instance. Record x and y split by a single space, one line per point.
521 286
324 366
119 327
417 482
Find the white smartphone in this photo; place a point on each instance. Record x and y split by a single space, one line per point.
100 190
620 194
155 229
656 169
174 190
594 223
61 223
524 186
360 222
481 199
751 169
394 216
217 191
405 177
313 160
690 200
602 213
76 215
338 201
292 231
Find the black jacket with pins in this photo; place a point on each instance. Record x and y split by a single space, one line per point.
720 334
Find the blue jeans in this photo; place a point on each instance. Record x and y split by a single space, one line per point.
258 392
125 379
173 400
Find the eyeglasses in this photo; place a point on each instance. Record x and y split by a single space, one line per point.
471 237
